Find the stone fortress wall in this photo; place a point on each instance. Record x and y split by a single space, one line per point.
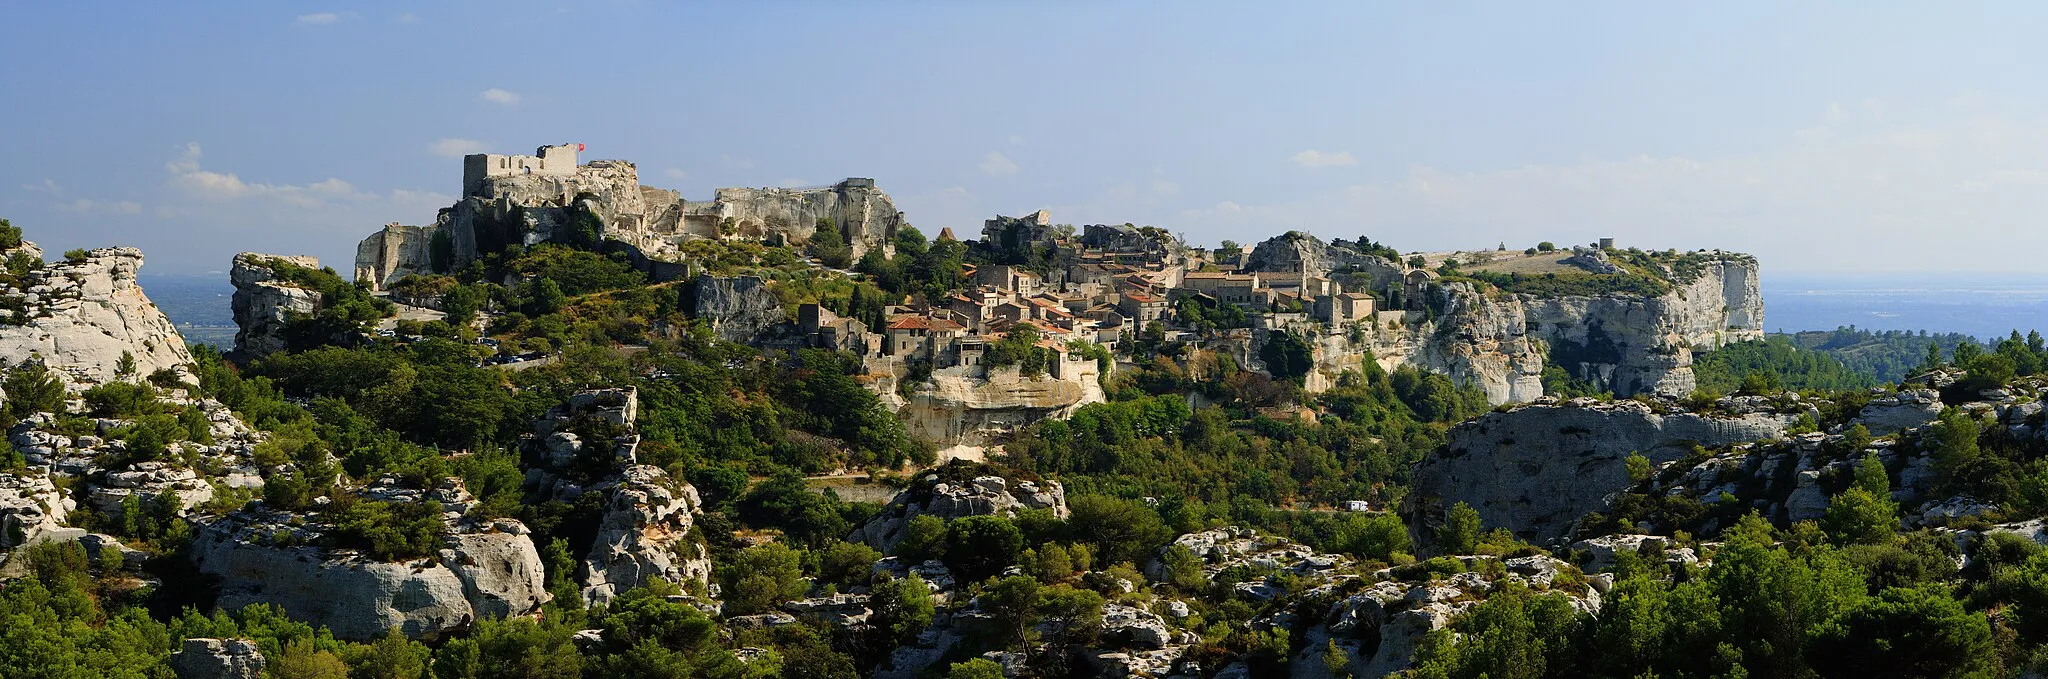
559 159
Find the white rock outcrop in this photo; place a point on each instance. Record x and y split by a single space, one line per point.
645 532
32 509
264 303
218 659
483 571
972 407
80 317
982 496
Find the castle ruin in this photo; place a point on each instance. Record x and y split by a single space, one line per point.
557 160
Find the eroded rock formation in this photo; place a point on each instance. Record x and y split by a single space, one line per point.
80 317
740 308
645 533
980 496
961 407
261 556
264 303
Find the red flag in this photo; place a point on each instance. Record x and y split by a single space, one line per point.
579 148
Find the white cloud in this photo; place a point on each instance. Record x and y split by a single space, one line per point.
1314 158
500 96
675 173
996 163
1162 187
736 163
456 147
318 19
1016 140
189 180
408 18
48 186
83 206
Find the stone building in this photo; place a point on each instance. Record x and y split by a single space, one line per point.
558 160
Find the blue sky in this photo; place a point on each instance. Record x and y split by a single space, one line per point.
1820 136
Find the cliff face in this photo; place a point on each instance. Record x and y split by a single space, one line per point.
1536 469
864 214
961 407
1501 342
605 196
81 316
739 308
263 303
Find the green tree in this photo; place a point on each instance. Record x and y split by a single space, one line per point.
512 648
761 577
1336 661
924 539
1461 530
1639 468
1916 632
902 609
1184 569
1013 603
31 388
975 668
300 660
545 297
846 563
1117 529
980 546
1865 513
391 656
1287 357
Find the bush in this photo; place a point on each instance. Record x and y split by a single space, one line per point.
389 531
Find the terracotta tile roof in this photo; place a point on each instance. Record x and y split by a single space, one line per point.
923 323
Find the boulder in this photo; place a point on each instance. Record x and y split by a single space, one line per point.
264 556
1898 412
986 496
218 659
32 509
149 480
1134 628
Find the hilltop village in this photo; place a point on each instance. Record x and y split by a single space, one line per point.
1291 307
575 426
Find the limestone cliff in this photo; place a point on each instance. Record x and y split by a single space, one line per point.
966 406
740 308
1536 469
1501 342
81 316
264 303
